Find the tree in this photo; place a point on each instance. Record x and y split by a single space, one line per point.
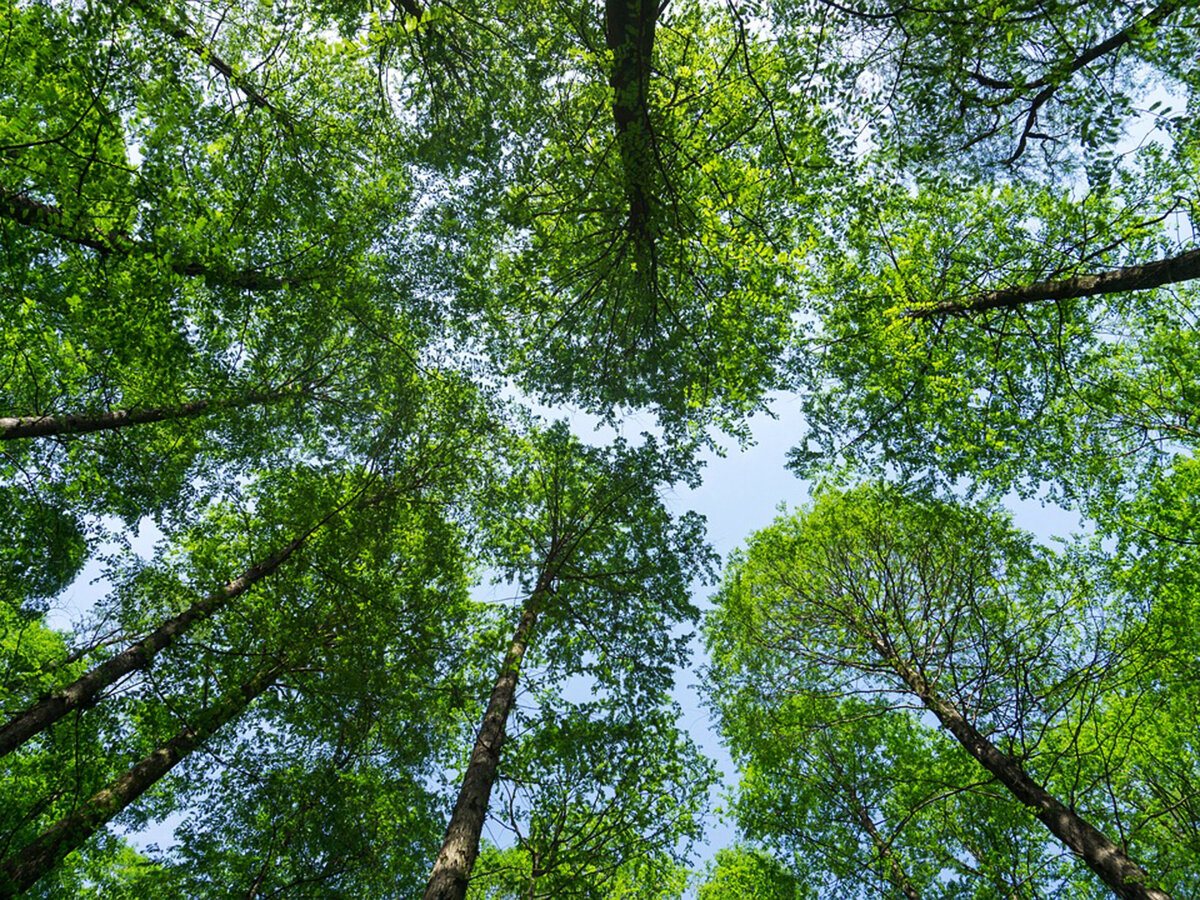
265 265
1009 300
653 232
743 872
604 569
853 599
312 633
25 867
165 252
594 797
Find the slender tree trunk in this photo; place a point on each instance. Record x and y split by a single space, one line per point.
1107 859
1172 270
452 869
25 867
888 860
84 690
13 427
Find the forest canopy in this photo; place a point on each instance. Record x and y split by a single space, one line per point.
309 290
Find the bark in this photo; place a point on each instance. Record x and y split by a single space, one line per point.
629 31
1172 270
84 691
23 869
452 868
53 220
13 427
1108 860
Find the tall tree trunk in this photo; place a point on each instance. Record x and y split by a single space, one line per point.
1160 272
1107 859
84 690
452 868
25 867
13 427
629 33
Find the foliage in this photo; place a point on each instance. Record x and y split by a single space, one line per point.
268 267
818 631
743 872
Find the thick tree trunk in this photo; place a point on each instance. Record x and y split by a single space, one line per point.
84 690
1172 270
629 32
14 427
23 869
1107 859
452 868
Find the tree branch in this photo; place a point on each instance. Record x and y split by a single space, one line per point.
13 427
1050 83
183 34
52 220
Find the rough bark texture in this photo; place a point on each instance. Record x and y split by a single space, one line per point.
14 427
84 690
1174 269
1107 859
452 868
23 869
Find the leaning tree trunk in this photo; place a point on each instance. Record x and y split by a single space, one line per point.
14 427
1107 859
1142 277
84 690
452 868
893 868
25 867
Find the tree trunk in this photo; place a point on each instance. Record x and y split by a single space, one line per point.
452 869
629 33
1172 270
1107 859
894 869
13 427
23 869
84 690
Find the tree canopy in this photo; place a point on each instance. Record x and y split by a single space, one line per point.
282 282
